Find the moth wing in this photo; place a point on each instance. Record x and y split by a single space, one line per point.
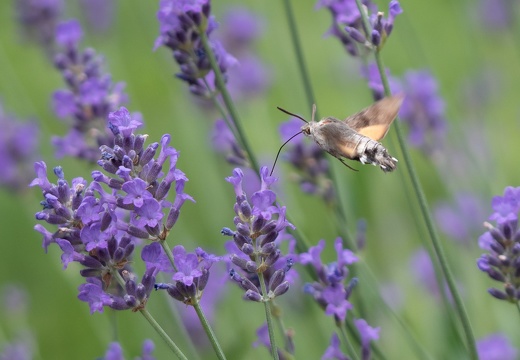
375 120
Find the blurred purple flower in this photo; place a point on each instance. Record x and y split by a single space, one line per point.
496 14
98 13
496 347
461 220
424 272
225 143
334 350
89 98
38 19
423 111
18 148
368 334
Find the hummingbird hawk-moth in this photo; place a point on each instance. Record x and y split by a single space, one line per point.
357 137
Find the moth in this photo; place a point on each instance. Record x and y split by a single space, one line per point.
357 137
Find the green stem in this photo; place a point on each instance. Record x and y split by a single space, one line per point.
168 253
439 251
209 331
350 348
268 317
299 52
163 334
221 85
423 204
174 348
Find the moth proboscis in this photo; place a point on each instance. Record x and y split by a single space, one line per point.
357 137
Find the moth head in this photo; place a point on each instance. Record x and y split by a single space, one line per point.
306 129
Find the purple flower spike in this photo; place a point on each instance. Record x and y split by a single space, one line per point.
38 19
88 99
496 347
18 146
190 276
345 15
368 334
334 352
69 34
181 26
329 291
259 223
502 262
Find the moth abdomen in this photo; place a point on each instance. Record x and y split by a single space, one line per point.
372 152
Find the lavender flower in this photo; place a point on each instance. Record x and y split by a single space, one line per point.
347 25
329 291
100 228
368 334
181 26
18 145
334 350
262 334
423 111
89 98
115 351
98 13
191 272
250 77
259 222
502 262
496 14
460 219
225 143
310 161
496 347
38 19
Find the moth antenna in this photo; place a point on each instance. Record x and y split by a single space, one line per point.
290 113
313 111
280 149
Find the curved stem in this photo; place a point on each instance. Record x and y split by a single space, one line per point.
163 334
221 84
173 347
268 317
350 348
423 204
209 331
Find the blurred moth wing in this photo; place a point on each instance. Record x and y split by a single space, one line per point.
356 138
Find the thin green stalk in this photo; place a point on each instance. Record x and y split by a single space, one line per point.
173 347
461 310
350 349
221 85
309 94
268 317
299 52
168 252
518 306
423 204
163 334
209 331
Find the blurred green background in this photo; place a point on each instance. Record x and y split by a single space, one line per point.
478 71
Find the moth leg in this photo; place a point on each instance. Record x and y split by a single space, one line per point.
347 165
